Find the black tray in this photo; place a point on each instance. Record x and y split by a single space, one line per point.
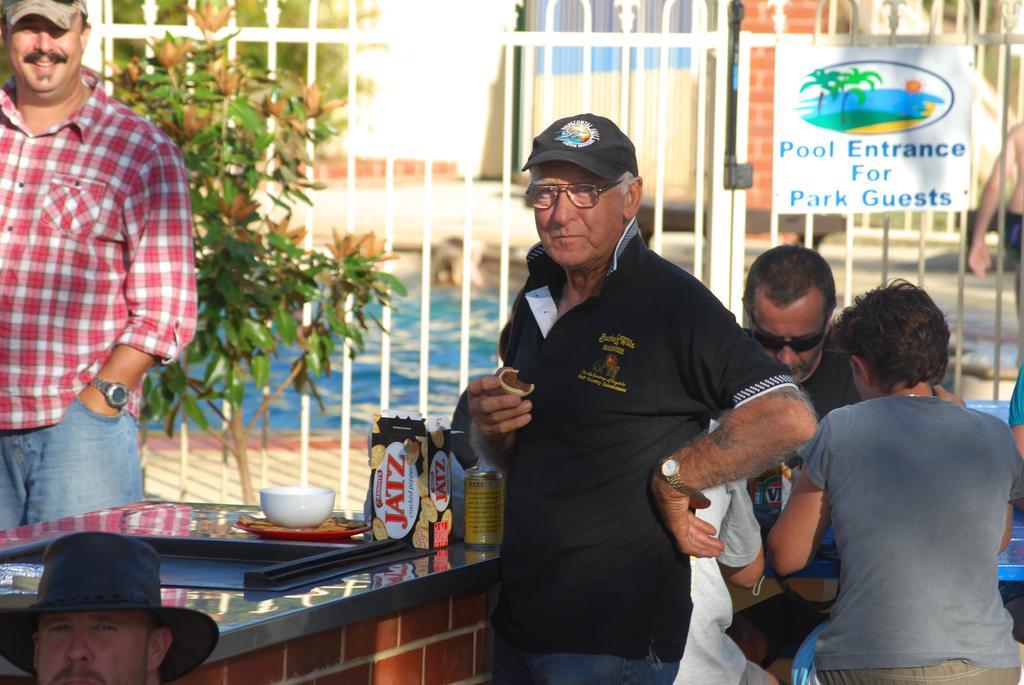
267 565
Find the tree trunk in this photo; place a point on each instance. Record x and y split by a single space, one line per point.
239 437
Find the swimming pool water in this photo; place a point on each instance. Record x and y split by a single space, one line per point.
445 311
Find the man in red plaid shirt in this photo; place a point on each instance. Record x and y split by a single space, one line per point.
97 278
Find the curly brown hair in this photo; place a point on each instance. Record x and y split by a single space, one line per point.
899 332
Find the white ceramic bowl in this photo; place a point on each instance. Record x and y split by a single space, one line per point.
297 507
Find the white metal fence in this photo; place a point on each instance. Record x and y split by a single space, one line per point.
659 68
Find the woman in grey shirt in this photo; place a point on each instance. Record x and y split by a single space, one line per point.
916 490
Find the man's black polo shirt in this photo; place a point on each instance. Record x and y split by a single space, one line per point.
831 385
623 380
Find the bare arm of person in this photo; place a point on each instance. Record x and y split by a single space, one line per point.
749 440
497 416
125 365
795 536
744 576
978 259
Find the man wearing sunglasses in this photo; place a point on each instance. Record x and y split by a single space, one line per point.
789 298
96 271
629 356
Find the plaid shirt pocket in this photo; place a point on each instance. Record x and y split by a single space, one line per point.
73 206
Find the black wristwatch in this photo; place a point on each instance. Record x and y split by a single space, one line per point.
116 394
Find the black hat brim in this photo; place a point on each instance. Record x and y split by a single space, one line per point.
605 168
194 635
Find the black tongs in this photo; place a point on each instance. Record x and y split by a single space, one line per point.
333 564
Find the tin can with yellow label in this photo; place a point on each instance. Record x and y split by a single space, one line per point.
485 508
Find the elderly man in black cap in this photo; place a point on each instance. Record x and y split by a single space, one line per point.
98 618
629 356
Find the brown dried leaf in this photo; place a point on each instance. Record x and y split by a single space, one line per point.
170 54
370 246
274 108
224 209
332 104
193 122
134 70
278 227
311 99
211 20
227 81
241 208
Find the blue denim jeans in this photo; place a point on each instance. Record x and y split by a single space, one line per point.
513 666
86 462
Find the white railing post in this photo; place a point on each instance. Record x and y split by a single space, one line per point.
627 17
506 156
720 236
95 57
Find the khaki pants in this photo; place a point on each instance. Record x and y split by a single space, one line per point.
946 673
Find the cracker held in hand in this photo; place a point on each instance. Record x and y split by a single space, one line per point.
510 383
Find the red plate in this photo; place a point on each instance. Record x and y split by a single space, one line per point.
300 533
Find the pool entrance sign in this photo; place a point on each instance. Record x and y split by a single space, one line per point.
871 129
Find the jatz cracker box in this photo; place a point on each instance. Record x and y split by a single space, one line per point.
410 483
440 480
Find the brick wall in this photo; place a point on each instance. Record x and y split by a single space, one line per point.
445 642
758 19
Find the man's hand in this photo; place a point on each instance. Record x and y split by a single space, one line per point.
692 535
497 416
978 258
495 412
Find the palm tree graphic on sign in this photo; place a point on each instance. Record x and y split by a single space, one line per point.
828 81
857 103
849 83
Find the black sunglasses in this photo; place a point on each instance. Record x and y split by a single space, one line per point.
801 344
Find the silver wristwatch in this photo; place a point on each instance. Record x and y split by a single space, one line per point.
670 471
116 394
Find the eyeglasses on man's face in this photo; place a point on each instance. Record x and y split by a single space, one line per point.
582 195
774 343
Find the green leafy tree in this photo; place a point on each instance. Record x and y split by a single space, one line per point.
244 139
332 59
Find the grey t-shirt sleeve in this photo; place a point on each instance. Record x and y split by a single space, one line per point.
740 532
815 454
1017 487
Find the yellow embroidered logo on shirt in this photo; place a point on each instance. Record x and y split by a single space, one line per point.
605 370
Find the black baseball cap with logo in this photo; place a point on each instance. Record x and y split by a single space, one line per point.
587 140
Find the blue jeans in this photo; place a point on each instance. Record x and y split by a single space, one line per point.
513 666
86 462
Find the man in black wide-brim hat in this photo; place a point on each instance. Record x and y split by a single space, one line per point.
98 618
